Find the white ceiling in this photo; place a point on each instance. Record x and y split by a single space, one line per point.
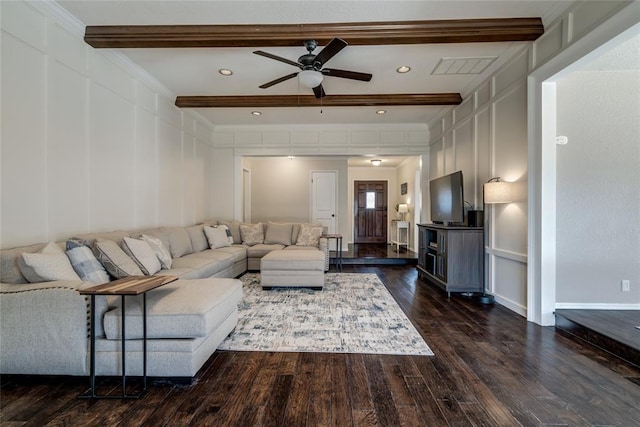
194 71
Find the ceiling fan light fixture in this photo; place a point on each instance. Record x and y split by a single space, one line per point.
310 78
376 162
225 71
403 69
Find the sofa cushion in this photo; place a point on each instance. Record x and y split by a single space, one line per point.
161 251
182 309
49 264
217 236
114 259
198 239
142 254
309 235
258 251
234 227
85 263
238 252
252 234
203 266
179 241
278 232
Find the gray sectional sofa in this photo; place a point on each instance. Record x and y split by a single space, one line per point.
44 327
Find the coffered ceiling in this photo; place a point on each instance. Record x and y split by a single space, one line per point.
450 46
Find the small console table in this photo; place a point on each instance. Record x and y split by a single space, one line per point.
400 234
134 285
338 258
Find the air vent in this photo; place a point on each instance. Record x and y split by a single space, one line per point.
463 65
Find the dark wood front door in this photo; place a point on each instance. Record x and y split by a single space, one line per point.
370 222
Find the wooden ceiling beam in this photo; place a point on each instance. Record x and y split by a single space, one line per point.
256 101
355 33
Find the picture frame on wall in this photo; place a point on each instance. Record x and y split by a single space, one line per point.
403 188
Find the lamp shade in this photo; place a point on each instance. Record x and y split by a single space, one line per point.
310 78
497 192
403 208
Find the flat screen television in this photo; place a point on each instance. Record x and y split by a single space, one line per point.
447 199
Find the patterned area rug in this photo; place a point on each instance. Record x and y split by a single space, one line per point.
354 313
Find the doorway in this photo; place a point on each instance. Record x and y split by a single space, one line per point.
370 212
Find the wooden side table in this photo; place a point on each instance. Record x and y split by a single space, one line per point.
134 285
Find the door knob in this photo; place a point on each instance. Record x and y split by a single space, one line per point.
333 215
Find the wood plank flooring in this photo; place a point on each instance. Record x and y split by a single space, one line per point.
491 368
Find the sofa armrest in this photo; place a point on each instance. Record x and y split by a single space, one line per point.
43 328
323 245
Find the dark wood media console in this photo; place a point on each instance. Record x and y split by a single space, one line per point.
451 258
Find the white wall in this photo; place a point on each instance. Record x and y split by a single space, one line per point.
281 188
598 185
406 173
485 137
89 142
497 131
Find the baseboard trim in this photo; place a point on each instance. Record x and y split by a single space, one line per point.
595 306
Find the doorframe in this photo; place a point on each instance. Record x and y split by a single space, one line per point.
353 209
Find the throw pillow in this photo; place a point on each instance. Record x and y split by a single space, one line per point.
217 236
278 233
85 263
198 239
142 254
309 235
117 263
234 227
50 263
161 251
252 234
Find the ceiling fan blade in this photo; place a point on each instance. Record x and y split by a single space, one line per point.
353 75
333 47
278 58
276 81
319 91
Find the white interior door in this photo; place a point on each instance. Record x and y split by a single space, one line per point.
324 193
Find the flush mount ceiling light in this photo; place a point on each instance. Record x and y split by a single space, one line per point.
403 69
310 78
225 72
381 112
376 162
291 157
256 113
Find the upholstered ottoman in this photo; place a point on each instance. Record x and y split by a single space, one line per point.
293 268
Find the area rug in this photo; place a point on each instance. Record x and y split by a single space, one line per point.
354 313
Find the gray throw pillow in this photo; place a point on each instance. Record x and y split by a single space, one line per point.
278 233
117 263
217 236
142 254
85 264
50 264
309 235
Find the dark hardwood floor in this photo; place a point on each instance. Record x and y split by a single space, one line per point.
490 368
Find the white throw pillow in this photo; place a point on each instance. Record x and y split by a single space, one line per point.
217 236
160 250
252 234
309 235
51 263
142 254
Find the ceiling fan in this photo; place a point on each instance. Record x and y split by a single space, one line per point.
312 73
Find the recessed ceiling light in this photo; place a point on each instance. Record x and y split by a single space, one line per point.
381 112
256 113
376 162
403 69
225 72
